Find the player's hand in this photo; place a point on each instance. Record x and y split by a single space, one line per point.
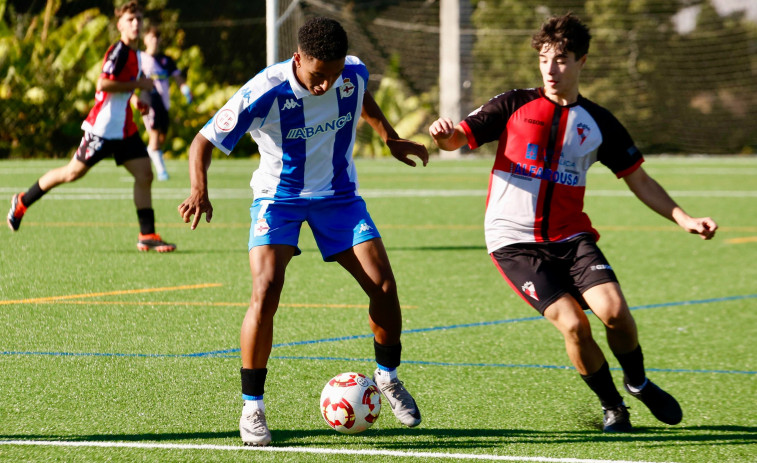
704 227
401 149
441 129
195 205
143 107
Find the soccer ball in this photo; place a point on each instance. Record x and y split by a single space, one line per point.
350 403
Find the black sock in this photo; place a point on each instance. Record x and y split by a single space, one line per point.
601 383
146 221
32 194
387 356
253 381
633 367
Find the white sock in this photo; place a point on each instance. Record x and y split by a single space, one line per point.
251 405
157 159
386 375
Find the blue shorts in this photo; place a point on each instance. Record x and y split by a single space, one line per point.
338 222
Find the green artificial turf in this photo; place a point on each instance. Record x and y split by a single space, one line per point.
103 345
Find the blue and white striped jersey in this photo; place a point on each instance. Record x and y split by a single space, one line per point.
305 141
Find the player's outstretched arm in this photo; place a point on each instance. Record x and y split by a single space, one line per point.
399 147
447 135
656 198
115 86
198 201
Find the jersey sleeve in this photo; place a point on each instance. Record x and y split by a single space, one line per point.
487 123
115 63
617 151
244 112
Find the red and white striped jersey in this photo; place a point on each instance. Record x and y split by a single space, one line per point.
537 184
111 116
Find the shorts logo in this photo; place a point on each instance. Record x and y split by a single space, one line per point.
226 120
600 267
261 228
290 104
529 288
347 89
364 227
94 144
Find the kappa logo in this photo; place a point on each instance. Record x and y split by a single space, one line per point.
364 227
290 104
529 288
347 88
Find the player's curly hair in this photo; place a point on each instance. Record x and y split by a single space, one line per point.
128 7
323 39
566 33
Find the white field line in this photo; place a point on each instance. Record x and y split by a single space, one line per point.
246 193
311 450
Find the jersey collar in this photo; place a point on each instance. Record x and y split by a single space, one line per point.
301 92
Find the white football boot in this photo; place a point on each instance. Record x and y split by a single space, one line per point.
402 403
254 429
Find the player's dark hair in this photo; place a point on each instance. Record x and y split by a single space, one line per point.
323 39
565 33
153 30
129 7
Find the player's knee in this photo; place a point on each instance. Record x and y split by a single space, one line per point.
384 289
72 175
145 176
576 329
266 290
618 319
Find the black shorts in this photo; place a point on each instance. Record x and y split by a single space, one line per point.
94 149
543 272
157 116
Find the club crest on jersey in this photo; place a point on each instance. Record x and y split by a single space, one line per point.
347 88
226 120
529 288
583 131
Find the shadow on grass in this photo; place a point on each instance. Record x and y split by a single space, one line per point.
440 438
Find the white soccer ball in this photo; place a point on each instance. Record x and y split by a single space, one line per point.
350 403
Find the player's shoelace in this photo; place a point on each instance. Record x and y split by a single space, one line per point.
399 395
257 422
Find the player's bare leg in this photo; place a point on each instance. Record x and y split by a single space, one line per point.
156 139
148 239
569 318
71 172
369 264
607 302
267 266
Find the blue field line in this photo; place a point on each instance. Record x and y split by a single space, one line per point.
226 352
486 323
362 360
500 365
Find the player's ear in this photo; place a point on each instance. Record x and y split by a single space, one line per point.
297 59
